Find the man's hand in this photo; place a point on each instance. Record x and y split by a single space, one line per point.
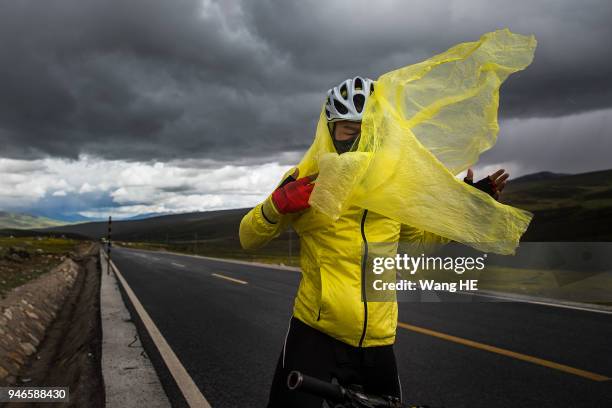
492 185
293 196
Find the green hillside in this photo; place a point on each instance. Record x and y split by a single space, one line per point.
25 221
566 207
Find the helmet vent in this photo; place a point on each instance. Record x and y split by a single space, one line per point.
343 91
359 101
358 83
340 107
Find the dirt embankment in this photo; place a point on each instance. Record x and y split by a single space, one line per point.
69 354
23 259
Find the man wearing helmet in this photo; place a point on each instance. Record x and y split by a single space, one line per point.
333 334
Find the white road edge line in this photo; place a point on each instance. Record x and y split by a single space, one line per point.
544 302
190 390
226 260
585 307
218 275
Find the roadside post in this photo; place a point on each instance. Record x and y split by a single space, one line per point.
108 245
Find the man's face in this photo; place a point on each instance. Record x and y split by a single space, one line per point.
346 130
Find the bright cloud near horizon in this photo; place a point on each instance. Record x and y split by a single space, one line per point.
96 188
148 106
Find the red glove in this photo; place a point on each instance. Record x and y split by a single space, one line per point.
293 197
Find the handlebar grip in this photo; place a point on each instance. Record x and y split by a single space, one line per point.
325 390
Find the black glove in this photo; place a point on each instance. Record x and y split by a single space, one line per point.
486 185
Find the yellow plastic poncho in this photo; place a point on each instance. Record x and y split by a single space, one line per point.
423 125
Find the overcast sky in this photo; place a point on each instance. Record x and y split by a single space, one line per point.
139 106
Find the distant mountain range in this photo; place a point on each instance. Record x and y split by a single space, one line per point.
25 221
542 175
567 208
175 227
11 220
146 215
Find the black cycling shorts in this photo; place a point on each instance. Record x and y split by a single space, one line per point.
318 355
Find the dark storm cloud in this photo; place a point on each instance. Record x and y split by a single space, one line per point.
181 188
173 80
555 144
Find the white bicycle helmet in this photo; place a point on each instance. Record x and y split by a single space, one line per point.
347 100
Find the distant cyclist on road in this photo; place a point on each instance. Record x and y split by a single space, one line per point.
332 333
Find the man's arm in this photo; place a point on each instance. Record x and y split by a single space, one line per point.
262 224
428 242
267 220
421 241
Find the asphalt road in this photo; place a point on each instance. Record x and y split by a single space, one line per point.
228 335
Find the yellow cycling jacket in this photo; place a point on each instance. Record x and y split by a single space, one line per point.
422 126
333 271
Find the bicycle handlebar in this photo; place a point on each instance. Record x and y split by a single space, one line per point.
311 385
339 395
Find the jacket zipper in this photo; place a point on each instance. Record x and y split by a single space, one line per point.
363 277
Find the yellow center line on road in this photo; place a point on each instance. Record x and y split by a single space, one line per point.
218 275
507 353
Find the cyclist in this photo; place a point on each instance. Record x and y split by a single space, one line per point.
333 334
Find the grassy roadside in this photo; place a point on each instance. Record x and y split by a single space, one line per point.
25 258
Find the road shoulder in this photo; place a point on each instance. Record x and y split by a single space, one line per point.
130 379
